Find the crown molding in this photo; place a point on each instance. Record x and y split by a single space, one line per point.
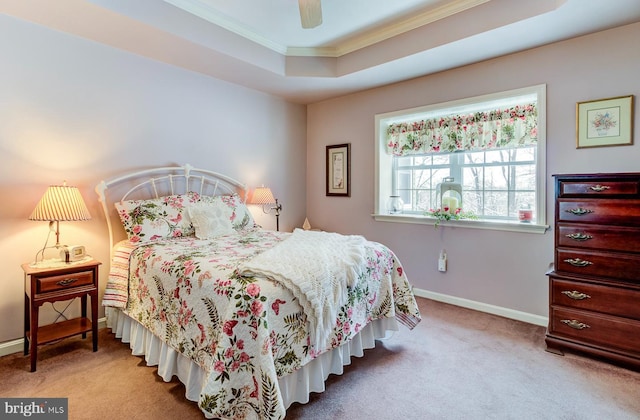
312 52
389 31
204 11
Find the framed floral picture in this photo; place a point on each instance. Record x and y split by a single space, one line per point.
605 122
339 170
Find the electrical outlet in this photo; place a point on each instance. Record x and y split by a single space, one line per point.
442 265
442 261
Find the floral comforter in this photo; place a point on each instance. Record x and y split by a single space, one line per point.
246 332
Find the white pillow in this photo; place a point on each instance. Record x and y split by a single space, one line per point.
239 215
210 219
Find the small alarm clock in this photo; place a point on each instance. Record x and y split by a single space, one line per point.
72 253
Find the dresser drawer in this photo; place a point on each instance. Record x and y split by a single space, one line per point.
599 188
610 300
63 282
599 264
595 329
612 238
610 211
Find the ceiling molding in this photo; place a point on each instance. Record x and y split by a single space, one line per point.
351 44
312 52
159 31
198 8
388 31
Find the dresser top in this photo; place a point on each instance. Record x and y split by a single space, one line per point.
600 175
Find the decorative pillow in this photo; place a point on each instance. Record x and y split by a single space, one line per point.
211 220
239 216
159 218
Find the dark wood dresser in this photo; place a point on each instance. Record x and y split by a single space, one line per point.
594 286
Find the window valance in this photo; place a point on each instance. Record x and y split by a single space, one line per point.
516 126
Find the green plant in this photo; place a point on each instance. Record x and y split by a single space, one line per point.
446 214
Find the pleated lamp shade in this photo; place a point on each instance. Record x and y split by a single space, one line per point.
61 203
262 195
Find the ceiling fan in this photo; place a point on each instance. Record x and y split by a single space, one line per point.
310 13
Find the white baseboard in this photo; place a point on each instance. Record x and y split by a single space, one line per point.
483 307
15 346
10 347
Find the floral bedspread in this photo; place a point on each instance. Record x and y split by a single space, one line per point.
246 332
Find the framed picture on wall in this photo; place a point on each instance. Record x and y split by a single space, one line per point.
339 170
605 122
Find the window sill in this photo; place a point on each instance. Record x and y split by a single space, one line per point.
466 224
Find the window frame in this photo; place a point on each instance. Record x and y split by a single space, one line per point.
384 163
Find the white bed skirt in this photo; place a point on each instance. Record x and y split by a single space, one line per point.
294 387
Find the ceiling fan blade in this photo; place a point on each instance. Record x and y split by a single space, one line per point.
310 13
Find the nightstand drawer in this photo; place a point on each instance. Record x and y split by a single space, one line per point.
56 283
63 282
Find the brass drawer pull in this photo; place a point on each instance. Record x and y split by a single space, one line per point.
599 188
577 262
579 211
575 295
579 236
66 282
576 325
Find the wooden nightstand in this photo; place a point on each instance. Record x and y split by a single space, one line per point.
59 283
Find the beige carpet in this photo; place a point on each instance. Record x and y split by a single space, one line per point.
457 364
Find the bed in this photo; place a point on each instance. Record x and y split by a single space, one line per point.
250 320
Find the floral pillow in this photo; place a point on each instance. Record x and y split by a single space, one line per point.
239 214
159 218
211 220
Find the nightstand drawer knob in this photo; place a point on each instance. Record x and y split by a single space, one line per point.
577 262
66 282
579 211
579 236
575 295
576 325
599 188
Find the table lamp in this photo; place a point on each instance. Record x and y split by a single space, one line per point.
60 203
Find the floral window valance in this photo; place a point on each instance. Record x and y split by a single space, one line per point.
503 128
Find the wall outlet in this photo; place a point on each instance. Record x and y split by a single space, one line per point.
442 261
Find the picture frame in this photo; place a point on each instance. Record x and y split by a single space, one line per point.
604 122
339 170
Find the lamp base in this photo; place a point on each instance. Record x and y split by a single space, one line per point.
277 208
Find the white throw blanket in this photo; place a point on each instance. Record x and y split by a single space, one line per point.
317 267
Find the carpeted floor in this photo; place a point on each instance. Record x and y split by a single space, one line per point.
457 364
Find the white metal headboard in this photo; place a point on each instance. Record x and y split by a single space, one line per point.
160 182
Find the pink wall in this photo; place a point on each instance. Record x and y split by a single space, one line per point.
72 109
505 269
76 110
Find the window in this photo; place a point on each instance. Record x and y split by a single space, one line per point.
491 149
